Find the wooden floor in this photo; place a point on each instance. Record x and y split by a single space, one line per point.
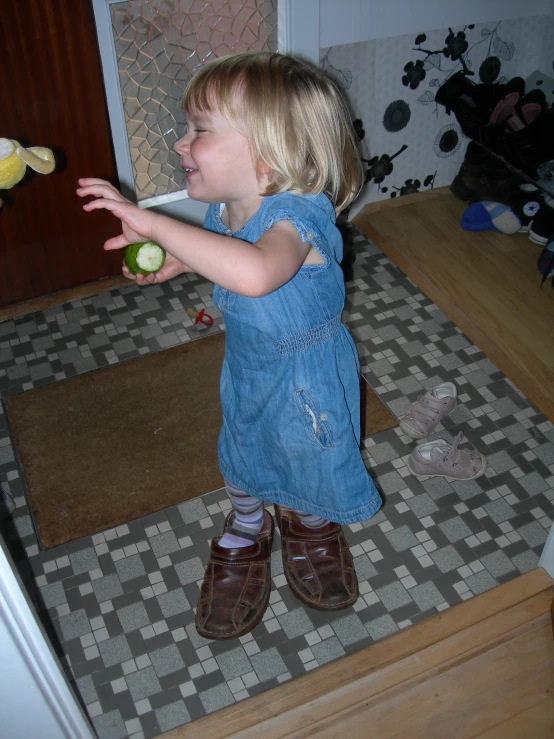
486 282
482 669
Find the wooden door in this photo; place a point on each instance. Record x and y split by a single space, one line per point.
52 94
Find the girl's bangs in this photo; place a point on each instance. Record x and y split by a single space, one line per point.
201 94
213 92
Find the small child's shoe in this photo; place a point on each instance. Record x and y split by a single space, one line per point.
440 459
429 410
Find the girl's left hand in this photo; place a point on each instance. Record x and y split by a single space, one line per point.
136 223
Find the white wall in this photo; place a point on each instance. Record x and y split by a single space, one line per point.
35 698
350 21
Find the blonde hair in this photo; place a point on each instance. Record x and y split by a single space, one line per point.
295 118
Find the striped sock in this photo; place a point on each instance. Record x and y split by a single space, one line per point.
311 520
247 524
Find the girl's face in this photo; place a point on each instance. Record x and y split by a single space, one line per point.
217 161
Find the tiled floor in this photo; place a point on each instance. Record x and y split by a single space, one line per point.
119 605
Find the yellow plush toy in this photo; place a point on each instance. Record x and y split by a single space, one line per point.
14 160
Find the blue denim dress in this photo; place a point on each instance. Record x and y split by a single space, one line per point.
290 386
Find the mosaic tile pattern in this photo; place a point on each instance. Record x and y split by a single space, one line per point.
159 45
119 605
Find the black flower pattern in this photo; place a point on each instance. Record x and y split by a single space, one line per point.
397 116
379 168
448 140
489 70
410 186
456 44
414 74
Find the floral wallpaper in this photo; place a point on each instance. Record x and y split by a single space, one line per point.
407 140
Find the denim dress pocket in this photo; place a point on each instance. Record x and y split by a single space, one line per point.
314 419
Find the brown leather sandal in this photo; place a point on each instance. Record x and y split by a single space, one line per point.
236 587
318 564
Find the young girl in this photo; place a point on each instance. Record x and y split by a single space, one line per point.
269 145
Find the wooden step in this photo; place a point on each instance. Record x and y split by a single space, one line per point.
486 282
458 674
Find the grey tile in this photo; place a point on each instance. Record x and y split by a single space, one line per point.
364 567
107 588
173 715
383 453
87 691
516 433
409 385
234 663
455 529
133 617
75 624
526 561
110 725
505 407
391 482
437 487
53 595
466 489
381 367
394 596
477 378
461 414
501 461
413 348
295 623
446 559
426 596
499 510
455 343
196 640
84 560
380 627
143 683
164 544
533 533
268 664
480 582
422 505
166 660
216 698
497 564
328 650
129 568
349 629
533 483
545 453
173 603
190 570
115 650
402 539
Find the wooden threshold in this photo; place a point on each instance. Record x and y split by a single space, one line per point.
459 673
486 282
63 296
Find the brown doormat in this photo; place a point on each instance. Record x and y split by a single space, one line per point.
121 442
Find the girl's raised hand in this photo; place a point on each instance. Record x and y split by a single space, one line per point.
136 223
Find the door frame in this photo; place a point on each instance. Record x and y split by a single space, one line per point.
297 33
